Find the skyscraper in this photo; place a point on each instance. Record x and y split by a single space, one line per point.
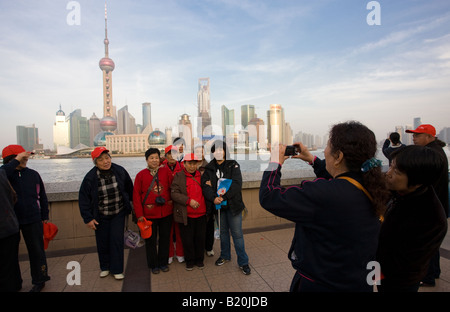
204 108
61 130
227 121
126 123
27 136
108 122
247 114
147 117
275 124
78 129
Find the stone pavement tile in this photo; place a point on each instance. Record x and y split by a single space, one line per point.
443 282
266 255
89 275
236 281
278 276
281 238
196 283
256 240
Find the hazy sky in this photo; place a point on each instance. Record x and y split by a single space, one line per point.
320 60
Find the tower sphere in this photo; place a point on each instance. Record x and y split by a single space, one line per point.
106 64
108 123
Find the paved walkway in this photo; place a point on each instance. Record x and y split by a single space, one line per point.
267 251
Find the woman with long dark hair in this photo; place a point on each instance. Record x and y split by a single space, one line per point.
337 216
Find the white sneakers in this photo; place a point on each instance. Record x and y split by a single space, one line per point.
116 276
104 273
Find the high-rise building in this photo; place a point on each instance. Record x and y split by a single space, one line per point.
185 130
204 108
28 137
78 129
417 122
275 124
247 114
256 134
61 130
227 121
126 123
444 135
147 117
108 122
94 128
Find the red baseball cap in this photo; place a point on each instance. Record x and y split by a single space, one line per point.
13 150
428 129
98 151
190 157
169 149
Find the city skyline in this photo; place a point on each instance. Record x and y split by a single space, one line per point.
322 61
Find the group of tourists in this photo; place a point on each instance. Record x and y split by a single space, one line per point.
352 215
178 195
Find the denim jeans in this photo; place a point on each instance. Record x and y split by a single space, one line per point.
232 224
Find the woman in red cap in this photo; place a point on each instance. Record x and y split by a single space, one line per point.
105 200
190 211
171 162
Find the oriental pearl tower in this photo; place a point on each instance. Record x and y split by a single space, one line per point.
108 122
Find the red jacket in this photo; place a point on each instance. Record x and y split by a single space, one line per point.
177 167
141 185
185 188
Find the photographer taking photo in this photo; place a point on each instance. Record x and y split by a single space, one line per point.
337 216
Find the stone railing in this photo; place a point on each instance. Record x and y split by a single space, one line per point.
74 234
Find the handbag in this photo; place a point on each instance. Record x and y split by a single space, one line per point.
131 238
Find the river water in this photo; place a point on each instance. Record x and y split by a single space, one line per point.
74 169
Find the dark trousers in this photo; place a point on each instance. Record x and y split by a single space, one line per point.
110 242
193 238
209 236
33 235
10 276
157 246
434 269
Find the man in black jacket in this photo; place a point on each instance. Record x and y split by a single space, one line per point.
415 223
219 167
425 135
31 209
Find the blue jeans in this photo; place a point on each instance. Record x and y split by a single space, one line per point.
232 224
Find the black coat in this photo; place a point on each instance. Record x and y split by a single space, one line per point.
231 170
88 194
413 229
441 183
336 229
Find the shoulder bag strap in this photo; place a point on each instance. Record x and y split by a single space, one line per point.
149 188
195 181
358 185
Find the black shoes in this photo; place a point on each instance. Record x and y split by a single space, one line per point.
245 269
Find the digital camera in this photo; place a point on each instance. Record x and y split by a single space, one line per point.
292 150
160 200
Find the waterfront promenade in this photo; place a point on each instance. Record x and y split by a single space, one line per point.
267 250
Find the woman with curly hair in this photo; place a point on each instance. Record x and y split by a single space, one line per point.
337 216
